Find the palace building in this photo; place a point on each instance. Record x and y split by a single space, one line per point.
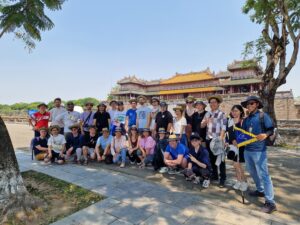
241 77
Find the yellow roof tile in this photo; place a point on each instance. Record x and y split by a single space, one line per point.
189 90
189 77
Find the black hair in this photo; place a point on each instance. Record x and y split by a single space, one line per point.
57 99
240 108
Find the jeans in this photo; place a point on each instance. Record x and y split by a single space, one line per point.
256 163
121 156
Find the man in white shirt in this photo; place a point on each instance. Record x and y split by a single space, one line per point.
55 112
69 118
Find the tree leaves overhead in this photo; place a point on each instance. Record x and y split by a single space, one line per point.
26 18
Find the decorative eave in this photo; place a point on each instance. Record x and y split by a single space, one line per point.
240 82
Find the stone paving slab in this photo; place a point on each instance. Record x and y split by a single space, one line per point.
132 200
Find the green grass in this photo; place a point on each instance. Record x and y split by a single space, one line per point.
78 197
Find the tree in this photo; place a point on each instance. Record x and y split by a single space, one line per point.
26 19
280 20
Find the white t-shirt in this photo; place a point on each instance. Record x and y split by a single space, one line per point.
57 142
153 114
178 124
119 117
69 119
54 115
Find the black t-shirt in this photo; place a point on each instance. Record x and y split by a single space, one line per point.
89 141
202 156
73 141
101 120
39 141
189 119
162 119
196 124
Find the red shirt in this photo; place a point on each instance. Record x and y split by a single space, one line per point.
41 120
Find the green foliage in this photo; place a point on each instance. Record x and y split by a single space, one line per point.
26 19
270 14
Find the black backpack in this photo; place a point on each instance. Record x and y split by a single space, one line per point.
271 139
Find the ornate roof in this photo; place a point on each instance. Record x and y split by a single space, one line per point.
243 64
189 77
190 90
240 82
135 80
224 74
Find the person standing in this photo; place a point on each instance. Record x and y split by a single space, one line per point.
154 111
57 110
69 118
197 119
188 113
164 119
236 120
40 119
119 118
179 125
143 115
101 118
113 109
255 154
131 115
215 121
87 118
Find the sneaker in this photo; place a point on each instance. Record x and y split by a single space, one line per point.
196 180
142 166
163 170
122 165
256 193
172 171
244 186
139 163
269 208
132 162
206 183
237 185
191 177
222 183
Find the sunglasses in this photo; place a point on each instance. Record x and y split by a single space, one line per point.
251 103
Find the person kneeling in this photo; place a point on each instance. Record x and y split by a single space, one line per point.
199 167
146 148
119 146
40 144
73 144
175 156
56 146
89 144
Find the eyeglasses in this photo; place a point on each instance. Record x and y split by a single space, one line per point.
189 102
251 103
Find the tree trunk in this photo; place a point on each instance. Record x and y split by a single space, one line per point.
13 194
268 100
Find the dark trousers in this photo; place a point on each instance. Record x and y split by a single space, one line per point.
133 157
200 172
213 159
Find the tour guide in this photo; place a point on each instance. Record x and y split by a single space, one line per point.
255 153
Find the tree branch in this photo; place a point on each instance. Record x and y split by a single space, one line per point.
3 31
265 33
283 9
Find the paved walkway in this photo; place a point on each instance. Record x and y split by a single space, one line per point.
132 200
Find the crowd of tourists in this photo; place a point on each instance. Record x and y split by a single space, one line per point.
196 142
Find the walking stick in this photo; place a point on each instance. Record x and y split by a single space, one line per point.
243 197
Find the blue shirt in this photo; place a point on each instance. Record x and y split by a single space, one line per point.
252 124
180 150
103 142
73 141
131 113
143 113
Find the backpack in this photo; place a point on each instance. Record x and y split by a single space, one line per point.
271 139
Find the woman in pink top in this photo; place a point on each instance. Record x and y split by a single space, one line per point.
146 148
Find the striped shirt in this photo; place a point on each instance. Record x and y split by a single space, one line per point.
217 123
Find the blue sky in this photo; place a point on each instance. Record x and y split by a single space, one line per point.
95 43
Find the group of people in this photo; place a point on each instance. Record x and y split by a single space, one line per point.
192 142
